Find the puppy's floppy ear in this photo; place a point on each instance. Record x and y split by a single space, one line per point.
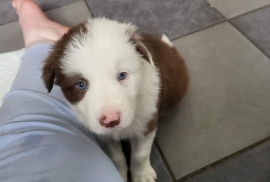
48 73
141 45
51 69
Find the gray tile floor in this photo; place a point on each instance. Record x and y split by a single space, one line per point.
256 26
226 45
233 8
251 166
160 17
226 109
7 14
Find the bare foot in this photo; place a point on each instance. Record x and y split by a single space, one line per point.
36 27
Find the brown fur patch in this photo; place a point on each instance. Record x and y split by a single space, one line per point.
136 39
52 66
173 74
152 125
68 84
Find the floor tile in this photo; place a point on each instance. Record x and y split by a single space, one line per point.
251 166
227 107
11 35
174 18
155 158
7 13
157 163
233 8
70 15
163 174
256 26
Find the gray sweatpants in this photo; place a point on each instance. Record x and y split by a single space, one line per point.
38 139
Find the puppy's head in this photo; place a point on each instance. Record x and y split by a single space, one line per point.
99 65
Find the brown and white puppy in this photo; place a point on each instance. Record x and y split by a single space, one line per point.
118 83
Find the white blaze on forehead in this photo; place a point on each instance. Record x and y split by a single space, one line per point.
105 44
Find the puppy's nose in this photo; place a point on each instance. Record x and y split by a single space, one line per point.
110 120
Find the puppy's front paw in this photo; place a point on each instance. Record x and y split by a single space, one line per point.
146 174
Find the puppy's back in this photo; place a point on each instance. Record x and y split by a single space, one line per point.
173 72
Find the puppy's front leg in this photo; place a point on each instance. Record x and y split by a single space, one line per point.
141 169
118 157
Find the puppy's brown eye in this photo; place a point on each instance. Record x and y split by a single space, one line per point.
81 85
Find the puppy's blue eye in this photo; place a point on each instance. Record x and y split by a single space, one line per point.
122 76
81 85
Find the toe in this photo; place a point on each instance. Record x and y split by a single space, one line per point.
17 4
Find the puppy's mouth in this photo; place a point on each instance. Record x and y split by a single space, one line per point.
117 127
112 127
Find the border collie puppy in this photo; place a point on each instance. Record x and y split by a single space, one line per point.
118 83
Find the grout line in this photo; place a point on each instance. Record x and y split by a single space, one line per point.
9 22
165 161
256 9
222 21
196 31
249 39
242 33
17 18
233 155
213 7
251 11
88 6
59 6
